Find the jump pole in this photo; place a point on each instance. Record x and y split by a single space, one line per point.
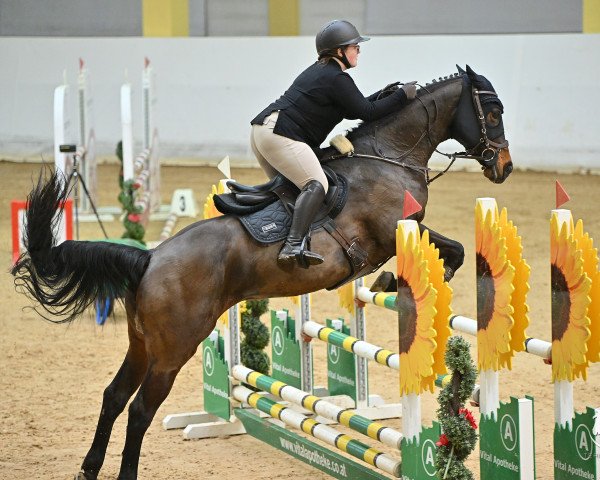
458 323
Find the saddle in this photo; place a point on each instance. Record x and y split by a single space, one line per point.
266 212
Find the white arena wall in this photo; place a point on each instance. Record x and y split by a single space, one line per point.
210 88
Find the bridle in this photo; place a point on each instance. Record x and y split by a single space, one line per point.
488 158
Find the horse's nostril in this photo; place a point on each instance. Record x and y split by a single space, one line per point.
508 169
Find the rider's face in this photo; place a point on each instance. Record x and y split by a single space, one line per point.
352 52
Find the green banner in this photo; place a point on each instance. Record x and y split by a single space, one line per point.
216 378
285 351
577 450
418 458
506 449
305 450
341 367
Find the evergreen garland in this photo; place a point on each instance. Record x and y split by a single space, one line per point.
256 336
132 215
458 425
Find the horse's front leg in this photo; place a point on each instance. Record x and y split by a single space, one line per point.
451 251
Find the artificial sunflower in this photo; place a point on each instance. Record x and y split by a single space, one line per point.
590 266
570 301
494 278
514 251
210 211
346 296
442 306
416 311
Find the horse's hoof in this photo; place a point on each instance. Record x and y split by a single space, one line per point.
448 274
81 475
385 282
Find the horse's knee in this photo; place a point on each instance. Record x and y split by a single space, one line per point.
459 255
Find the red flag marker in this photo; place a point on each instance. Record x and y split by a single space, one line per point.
562 196
410 205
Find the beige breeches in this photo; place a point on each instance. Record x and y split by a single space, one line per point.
276 154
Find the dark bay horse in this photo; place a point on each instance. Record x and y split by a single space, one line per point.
174 294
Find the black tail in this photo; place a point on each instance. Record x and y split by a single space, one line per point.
66 279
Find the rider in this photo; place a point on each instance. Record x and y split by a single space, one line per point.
286 133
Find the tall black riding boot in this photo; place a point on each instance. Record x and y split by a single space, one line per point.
296 248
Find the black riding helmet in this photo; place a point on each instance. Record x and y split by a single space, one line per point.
335 34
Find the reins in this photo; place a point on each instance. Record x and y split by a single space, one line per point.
397 161
481 159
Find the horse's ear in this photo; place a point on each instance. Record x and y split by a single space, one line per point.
460 70
471 72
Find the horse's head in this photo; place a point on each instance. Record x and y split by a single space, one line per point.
477 125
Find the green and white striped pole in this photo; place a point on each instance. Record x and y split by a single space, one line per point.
324 433
328 410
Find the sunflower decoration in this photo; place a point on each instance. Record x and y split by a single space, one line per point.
296 300
570 301
346 297
514 251
416 311
494 276
590 266
210 211
442 307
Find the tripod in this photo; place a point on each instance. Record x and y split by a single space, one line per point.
75 178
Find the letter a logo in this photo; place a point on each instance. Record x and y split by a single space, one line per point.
508 432
583 442
428 457
278 342
209 361
334 353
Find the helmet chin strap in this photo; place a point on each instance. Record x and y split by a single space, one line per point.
344 59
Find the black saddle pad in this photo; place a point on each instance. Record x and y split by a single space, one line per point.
272 222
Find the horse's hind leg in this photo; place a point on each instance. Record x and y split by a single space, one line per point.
451 251
116 396
155 388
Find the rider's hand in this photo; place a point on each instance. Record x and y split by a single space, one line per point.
391 87
410 89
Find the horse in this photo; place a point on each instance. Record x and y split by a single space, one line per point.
174 294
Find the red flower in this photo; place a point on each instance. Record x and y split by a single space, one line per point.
443 441
133 217
469 416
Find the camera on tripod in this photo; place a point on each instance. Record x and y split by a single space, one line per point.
74 179
68 148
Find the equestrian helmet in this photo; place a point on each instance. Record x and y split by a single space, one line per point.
337 33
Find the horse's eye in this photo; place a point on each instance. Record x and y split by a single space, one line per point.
493 118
